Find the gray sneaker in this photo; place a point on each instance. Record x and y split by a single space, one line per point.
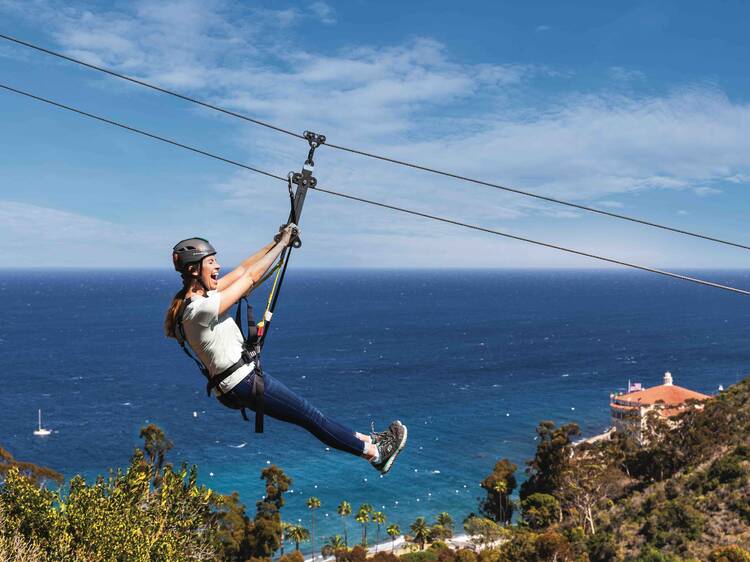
389 444
377 436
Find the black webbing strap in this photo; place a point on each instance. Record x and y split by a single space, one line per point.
251 339
214 382
181 339
259 389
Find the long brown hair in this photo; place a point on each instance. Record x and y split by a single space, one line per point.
188 280
170 320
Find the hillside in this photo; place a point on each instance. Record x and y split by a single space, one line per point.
684 496
696 494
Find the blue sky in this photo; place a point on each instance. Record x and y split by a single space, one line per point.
642 108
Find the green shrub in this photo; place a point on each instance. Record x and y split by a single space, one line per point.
382 557
540 510
729 554
14 547
294 556
672 489
673 524
489 555
726 469
121 517
422 556
446 555
741 506
601 547
651 554
553 546
466 555
519 547
356 554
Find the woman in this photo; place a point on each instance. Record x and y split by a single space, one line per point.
200 312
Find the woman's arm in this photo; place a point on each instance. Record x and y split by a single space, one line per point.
237 272
252 273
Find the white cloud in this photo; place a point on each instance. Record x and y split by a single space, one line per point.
623 74
415 102
37 236
738 178
705 191
542 28
324 12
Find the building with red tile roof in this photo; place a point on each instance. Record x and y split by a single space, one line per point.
629 410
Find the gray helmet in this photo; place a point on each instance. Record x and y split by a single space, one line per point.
191 250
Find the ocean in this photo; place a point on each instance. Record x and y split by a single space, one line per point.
469 360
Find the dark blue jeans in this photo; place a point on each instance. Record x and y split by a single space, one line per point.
281 403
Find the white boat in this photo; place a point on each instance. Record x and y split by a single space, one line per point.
41 431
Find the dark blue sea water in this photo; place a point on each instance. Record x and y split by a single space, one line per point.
471 361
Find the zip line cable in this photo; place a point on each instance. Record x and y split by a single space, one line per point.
377 203
141 132
542 197
377 156
149 85
530 241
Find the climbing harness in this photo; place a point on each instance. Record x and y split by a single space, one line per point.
254 336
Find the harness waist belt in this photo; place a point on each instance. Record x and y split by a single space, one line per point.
246 358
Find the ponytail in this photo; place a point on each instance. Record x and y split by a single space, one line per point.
170 321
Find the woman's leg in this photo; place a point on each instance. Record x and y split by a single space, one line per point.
281 403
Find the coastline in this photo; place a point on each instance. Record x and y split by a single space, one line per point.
400 547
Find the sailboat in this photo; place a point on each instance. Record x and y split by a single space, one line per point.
41 431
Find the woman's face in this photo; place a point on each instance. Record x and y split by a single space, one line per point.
210 272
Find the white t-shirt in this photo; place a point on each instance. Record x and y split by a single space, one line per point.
215 339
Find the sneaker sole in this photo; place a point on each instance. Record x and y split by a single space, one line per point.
389 463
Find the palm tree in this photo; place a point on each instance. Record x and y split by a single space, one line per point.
394 531
313 503
345 510
334 544
363 517
446 522
420 532
501 488
284 534
298 534
379 518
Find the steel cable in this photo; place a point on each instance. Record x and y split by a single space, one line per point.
541 197
149 85
377 203
530 241
377 156
140 132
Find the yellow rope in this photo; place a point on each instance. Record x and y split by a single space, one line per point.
276 268
273 289
267 275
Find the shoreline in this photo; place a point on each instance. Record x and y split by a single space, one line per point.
457 542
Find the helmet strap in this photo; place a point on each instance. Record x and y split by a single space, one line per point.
200 277
189 280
